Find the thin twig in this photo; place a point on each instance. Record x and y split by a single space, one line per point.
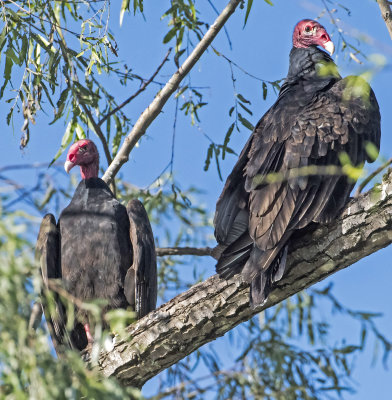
184 251
385 8
231 62
30 166
99 133
371 176
141 89
153 110
56 287
74 77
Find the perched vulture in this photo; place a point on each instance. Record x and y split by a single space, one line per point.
317 117
98 249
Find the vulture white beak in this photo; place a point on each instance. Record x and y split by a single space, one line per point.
329 46
68 166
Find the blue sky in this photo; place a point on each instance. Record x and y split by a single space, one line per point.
261 49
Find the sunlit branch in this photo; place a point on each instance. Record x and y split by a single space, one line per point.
153 110
385 7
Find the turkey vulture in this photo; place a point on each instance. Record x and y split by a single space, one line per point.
99 249
317 117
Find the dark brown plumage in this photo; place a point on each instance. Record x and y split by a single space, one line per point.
99 250
317 117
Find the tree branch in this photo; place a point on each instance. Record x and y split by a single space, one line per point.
152 111
211 308
184 251
141 89
98 131
101 137
386 14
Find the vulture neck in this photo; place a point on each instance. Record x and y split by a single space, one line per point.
311 63
89 170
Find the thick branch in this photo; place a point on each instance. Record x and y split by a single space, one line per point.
212 308
386 14
141 89
184 251
152 111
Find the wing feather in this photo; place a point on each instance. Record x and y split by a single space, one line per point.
47 254
300 130
140 284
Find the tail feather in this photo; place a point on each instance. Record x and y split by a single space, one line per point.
232 259
260 288
261 284
261 269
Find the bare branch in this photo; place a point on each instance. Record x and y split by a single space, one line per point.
385 7
153 110
141 89
101 137
35 165
99 132
184 251
211 308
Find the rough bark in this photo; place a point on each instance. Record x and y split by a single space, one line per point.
386 13
153 110
212 308
184 251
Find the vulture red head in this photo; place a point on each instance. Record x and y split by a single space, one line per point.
309 33
85 154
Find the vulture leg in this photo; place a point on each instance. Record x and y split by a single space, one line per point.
140 284
90 338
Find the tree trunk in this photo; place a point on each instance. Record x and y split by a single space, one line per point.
212 308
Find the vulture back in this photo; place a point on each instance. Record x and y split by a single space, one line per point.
96 251
317 117
99 250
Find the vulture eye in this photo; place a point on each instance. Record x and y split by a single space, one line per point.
308 29
82 149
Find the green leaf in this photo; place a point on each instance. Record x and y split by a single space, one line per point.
124 6
216 152
60 105
209 156
264 90
8 65
181 91
269 2
245 122
242 98
3 38
66 140
23 50
371 150
227 140
245 108
117 137
169 35
248 8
